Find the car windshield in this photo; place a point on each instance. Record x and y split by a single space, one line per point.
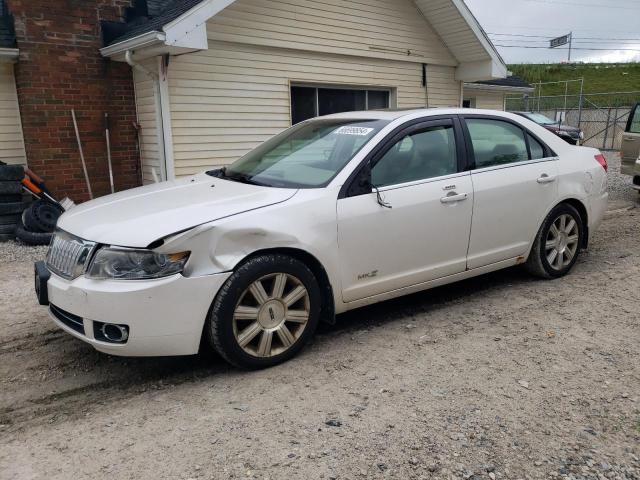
540 119
307 155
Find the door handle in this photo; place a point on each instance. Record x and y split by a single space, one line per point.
628 139
454 197
544 178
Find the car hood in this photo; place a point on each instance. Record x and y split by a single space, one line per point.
138 217
562 128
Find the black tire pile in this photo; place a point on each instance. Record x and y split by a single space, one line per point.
31 222
12 202
38 222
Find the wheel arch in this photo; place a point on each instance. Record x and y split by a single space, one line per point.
327 312
584 216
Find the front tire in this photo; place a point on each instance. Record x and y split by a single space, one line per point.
265 313
557 244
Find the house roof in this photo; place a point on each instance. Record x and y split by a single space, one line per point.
7 32
512 81
159 13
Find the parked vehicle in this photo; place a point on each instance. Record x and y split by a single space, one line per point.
569 134
631 148
332 214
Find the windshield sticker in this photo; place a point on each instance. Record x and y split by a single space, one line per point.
359 131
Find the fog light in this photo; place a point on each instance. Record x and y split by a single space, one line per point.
110 332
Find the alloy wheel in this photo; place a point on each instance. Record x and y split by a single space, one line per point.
271 315
562 242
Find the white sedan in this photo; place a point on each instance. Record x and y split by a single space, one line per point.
332 214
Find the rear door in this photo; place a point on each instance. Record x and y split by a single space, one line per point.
515 182
631 144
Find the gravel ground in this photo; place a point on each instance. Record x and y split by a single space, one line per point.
501 376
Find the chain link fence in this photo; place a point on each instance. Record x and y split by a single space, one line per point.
601 116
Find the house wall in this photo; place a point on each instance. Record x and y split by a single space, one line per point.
11 143
230 98
59 69
391 29
486 100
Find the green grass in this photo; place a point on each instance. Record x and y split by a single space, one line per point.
598 78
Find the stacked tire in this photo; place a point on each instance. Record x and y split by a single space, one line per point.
38 221
12 203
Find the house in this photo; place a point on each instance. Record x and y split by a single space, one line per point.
215 78
492 94
189 85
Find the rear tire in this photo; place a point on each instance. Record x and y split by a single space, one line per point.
557 244
265 313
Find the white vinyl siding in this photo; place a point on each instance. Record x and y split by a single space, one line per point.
489 100
230 98
444 90
11 139
148 111
391 29
452 27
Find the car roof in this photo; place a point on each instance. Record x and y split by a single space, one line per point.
394 114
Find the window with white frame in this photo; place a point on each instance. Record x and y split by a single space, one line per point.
308 101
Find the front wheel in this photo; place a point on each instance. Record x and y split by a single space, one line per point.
265 313
557 244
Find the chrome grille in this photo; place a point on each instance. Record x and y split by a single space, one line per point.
68 255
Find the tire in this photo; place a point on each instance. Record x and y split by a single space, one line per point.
6 237
10 219
11 173
41 216
13 207
11 198
33 238
542 261
9 229
224 331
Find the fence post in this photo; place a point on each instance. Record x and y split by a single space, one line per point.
615 124
580 104
606 130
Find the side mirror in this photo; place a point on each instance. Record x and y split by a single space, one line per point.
362 183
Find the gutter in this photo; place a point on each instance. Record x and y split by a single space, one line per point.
497 88
9 55
144 40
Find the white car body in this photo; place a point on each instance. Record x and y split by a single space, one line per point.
369 253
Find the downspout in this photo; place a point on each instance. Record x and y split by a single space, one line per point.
156 82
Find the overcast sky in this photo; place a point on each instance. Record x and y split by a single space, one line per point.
596 24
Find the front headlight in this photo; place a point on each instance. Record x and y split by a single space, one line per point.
125 264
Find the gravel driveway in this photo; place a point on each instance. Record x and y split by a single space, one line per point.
501 376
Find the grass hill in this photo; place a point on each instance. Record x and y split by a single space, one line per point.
598 78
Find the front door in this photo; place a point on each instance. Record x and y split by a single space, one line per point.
631 145
416 227
515 182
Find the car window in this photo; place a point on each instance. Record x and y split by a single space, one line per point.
496 142
418 156
634 123
537 150
307 155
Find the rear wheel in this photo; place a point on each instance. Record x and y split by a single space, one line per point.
557 244
265 313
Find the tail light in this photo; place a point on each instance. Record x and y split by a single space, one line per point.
602 161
